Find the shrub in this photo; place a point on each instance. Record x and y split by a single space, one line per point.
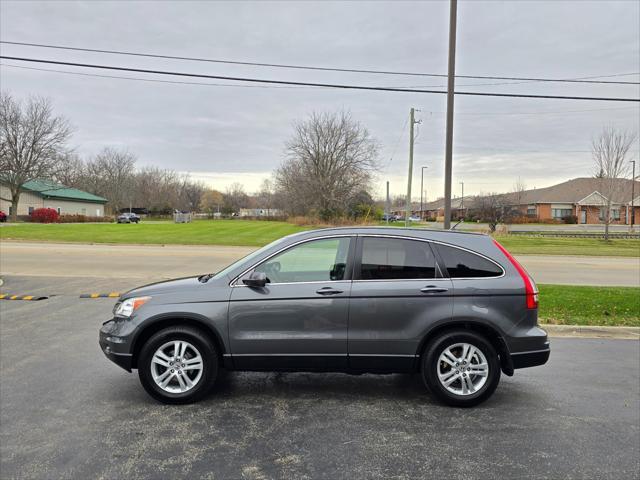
44 215
570 219
79 218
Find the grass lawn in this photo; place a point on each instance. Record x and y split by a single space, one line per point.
257 233
581 305
215 232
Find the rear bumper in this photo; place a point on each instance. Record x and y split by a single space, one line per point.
530 359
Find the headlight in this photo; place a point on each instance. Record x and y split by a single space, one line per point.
130 305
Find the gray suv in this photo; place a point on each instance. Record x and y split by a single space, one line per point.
455 307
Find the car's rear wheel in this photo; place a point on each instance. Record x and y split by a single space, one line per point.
461 368
178 365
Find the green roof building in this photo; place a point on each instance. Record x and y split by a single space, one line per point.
48 194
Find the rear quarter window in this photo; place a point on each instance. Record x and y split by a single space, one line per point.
464 264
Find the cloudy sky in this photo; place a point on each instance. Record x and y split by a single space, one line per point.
224 132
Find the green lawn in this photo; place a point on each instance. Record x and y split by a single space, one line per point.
581 305
257 233
215 232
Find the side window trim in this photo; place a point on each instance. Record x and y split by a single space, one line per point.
443 267
357 263
348 270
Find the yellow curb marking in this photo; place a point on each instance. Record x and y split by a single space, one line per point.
27 297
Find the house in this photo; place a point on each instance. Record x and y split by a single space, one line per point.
48 194
580 197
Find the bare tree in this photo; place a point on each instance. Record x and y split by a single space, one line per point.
235 198
489 208
70 170
609 151
330 157
111 175
32 140
265 196
190 194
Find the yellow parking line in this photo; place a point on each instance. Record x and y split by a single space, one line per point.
27 297
13 297
114 295
2 296
94 295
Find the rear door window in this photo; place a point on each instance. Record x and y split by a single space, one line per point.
396 259
464 264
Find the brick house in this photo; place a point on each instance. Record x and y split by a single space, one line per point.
581 198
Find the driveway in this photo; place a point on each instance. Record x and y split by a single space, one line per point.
67 412
160 262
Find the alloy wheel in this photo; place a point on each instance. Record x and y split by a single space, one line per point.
462 369
177 366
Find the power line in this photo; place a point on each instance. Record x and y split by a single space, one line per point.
331 69
154 80
206 84
312 84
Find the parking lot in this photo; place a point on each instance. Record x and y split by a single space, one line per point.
67 412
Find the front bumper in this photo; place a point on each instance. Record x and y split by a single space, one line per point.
114 345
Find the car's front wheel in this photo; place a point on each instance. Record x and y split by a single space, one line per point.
461 368
178 365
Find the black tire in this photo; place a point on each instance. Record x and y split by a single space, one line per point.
430 360
209 360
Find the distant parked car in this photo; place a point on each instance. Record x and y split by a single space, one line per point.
128 218
3 216
388 217
414 218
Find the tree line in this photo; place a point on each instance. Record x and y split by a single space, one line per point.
326 173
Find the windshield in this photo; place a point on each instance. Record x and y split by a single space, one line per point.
245 259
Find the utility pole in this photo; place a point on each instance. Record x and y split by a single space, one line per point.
448 160
633 183
387 206
407 209
462 200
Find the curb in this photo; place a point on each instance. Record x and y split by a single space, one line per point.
9 296
100 295
580 331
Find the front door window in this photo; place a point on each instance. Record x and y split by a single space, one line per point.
316 261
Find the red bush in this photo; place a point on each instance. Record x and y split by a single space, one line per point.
44 215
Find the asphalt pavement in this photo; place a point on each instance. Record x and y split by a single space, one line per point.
67 412
163 262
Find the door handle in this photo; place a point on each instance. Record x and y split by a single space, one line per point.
433 289
328 291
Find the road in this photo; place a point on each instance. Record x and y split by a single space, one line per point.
67 412
160 262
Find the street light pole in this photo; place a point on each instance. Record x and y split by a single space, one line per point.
462 200
421 189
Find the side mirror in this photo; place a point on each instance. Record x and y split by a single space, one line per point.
256 279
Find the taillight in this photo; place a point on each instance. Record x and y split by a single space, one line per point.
530 289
